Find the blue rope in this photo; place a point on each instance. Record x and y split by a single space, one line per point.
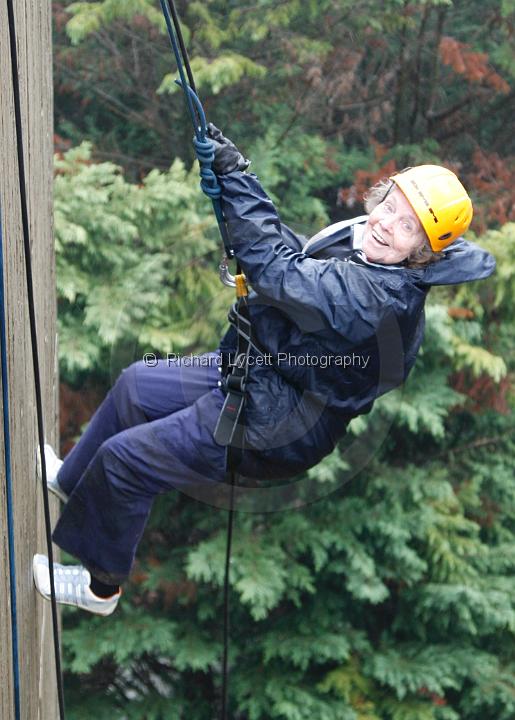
204 148
183 83
8 482
206 154
205 151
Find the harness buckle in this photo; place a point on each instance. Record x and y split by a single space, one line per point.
228 420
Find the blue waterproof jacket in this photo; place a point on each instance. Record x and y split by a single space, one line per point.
334 333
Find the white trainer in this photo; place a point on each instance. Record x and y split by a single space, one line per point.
53 465
72 586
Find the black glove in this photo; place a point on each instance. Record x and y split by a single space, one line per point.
227 156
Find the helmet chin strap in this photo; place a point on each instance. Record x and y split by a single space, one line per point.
389 190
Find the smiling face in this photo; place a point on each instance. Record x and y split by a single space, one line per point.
393 231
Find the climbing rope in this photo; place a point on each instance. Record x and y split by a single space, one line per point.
34 342
8 485
203 145
209 184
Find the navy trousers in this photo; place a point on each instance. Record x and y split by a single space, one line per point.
153 433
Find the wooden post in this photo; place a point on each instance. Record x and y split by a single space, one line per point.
37 669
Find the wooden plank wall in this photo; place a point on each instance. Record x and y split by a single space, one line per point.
33 19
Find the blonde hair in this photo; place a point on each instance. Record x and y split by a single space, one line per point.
422 255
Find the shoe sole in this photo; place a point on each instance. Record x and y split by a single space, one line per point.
56 490
52 487
41 561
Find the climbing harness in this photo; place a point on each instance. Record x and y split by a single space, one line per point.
34 345
229 430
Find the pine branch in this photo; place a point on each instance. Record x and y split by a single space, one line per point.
418 73
480 442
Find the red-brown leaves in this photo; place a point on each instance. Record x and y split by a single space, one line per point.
492 180
473 65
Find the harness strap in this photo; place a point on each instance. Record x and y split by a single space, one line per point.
234 317
229 429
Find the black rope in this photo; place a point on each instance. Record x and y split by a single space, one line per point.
34 342
230 431
170 13
203 146
184 52
225 662
171 18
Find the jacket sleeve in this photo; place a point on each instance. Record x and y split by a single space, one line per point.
329 293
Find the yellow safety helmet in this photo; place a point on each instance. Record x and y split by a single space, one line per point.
439 200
